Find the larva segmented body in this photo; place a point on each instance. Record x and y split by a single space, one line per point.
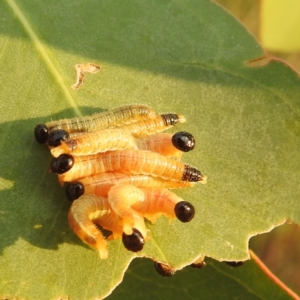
157 201
108 119
81 215
140 129
155 125
115 139
126 199
100 184
160 143
121 198
130 161
89 211
114 117
96 142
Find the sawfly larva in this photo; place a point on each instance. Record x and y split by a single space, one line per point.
96 142
119 139
142 162
100 184
126 199
159 201
138 129
112 118
89 212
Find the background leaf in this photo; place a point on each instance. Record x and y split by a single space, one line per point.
184 56
275 34
215 281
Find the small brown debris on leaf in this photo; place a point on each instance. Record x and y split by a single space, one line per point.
80 70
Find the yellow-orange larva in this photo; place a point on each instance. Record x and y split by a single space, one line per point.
159 201
96 142
81 215
75 141
116 139
88 212
100 184
126 199
126 161
112 118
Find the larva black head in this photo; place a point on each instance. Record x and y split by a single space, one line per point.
62 164
183 141
41 133
234 264
191 174
133 242
56 136
184 211
170 119
164 270
74 190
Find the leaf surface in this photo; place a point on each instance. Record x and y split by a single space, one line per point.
182 56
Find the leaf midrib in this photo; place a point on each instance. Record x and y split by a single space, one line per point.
41 49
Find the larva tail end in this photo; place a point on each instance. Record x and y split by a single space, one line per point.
203 179
191 174
103 253
181 119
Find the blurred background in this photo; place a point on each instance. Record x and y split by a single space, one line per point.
275 24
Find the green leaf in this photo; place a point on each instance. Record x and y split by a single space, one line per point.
182 56
276 35
215 281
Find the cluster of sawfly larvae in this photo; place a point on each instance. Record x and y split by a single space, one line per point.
117 168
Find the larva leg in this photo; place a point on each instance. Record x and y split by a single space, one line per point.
149 163
81 215
100 184
162 201
121 198
96 142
